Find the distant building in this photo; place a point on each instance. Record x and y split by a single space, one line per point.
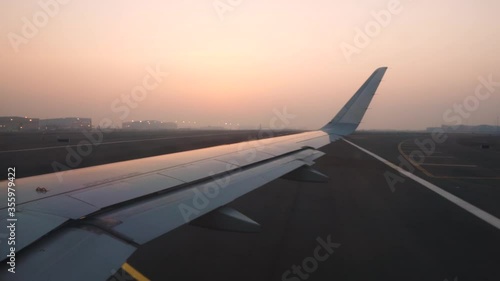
17 124
149 125
213 128
68 123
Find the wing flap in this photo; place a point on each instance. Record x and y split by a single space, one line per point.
29 227
80 254
167 212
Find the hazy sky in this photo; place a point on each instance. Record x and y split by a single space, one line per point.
240 61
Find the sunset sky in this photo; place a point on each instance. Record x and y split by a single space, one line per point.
240 61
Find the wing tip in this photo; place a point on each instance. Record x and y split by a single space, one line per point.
342 125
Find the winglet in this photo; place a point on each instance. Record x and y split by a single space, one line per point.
349 117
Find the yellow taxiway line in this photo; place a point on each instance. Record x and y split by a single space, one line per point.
134 273
427 173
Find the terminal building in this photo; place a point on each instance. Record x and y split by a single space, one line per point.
18 124
68 123
149 125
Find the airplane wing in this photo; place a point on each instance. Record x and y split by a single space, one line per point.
87 222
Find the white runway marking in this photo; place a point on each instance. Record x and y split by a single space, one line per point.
450 157
448 165
487 217
111 142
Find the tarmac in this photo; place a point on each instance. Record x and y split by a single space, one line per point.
369 222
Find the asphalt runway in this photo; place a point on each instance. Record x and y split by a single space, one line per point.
361 225
35 153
